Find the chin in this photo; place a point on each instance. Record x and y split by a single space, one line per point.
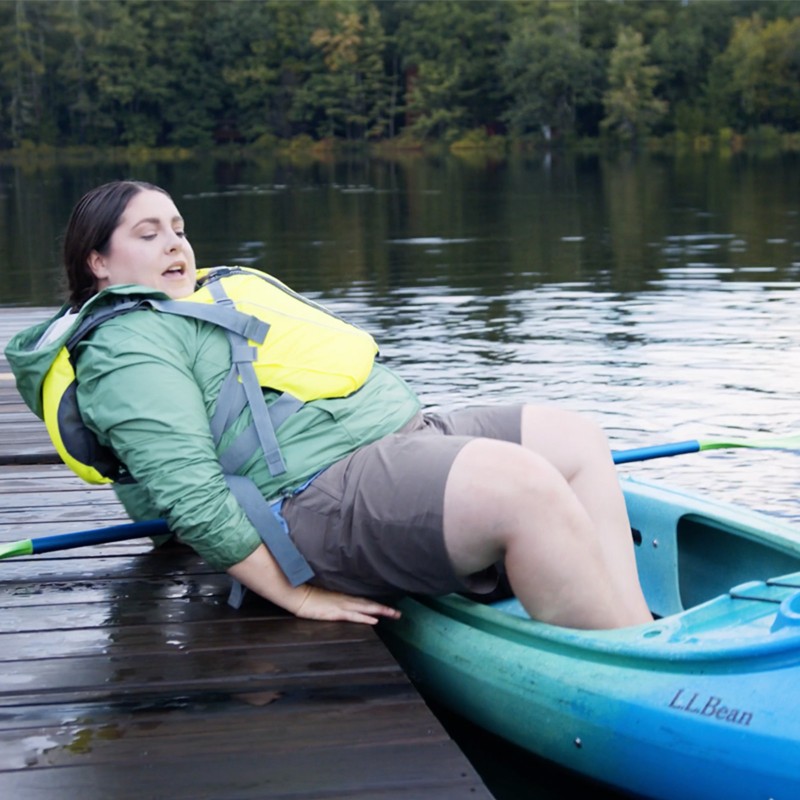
179 292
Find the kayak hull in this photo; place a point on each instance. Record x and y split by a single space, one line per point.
700 703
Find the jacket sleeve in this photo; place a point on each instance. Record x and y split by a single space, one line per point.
140 391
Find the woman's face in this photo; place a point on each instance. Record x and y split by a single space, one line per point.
148 247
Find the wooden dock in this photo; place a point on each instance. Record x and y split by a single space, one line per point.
125 674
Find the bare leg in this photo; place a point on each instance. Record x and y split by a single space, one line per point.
503 501
579 450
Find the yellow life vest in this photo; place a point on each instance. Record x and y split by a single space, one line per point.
295 346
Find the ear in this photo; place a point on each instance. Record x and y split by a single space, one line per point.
97 265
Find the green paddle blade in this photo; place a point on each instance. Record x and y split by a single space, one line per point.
21 548
768 443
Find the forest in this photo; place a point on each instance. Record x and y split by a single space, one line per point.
260 73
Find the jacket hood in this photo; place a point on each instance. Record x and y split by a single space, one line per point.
30 360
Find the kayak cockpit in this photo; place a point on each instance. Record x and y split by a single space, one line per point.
690 551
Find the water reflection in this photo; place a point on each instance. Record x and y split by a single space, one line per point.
659 295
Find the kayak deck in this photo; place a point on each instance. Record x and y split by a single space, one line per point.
756 619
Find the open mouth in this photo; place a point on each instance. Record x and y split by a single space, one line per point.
176 270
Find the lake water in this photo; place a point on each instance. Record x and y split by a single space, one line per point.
661 296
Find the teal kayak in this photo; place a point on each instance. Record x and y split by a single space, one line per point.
702 703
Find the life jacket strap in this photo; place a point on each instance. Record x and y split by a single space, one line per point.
225 315
271 529
261 419
240 388
246 443
91 321
240 329
231 401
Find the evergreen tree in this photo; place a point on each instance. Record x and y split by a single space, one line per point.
450 56
352 89
630 104
23 71
265 56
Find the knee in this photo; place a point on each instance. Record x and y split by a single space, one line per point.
501 495
523 480
587 433
500 474
568 439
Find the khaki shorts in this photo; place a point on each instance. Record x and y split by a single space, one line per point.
372 523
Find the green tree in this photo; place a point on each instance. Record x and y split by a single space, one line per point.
25 68
760 73
265 56
547 73
631 107
353 87
449 51
142 84
684 48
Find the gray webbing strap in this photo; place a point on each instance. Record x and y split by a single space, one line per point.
241 388
240 450
258 408
95 318
283 408
246 443
225 316
242 357
236 595
231 401
272 533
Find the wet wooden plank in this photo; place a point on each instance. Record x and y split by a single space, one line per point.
376 770
124 673
280 721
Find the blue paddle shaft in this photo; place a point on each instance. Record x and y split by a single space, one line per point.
116 533
655 451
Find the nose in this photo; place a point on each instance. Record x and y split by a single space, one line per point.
174 242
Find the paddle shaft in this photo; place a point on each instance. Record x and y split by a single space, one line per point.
655 451
136 530
791 442
66 541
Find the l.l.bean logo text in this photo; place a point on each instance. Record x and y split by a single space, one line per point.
709 706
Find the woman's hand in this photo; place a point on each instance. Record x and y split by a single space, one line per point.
260 572
322 604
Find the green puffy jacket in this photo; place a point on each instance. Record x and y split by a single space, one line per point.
148 384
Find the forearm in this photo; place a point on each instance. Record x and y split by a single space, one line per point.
260 573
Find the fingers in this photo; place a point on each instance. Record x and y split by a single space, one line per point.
378 609
333 606
371 613
359 609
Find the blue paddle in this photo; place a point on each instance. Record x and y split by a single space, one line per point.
65 541
136 530
695 446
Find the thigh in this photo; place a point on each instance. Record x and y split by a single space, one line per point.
373 523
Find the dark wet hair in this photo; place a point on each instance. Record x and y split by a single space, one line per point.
95 217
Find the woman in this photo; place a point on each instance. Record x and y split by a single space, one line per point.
400 501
